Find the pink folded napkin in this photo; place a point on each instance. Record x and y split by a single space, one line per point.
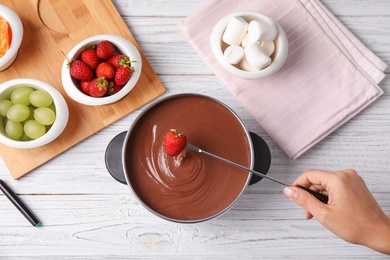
329 75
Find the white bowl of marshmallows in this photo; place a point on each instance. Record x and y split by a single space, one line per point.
249 44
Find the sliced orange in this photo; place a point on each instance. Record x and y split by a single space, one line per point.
5 36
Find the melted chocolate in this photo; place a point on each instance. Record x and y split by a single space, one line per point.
190 186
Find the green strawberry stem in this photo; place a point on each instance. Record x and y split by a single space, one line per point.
69 63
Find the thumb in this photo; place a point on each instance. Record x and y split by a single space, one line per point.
304 199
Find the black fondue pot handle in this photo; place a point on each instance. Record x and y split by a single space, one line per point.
262 157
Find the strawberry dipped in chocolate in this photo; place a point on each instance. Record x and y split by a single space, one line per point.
174 142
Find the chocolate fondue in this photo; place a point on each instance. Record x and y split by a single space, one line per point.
190 186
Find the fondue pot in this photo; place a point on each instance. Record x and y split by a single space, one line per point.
190 187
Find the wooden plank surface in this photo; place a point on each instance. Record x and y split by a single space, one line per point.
54 26
86 214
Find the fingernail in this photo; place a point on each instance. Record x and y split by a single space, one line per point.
290 192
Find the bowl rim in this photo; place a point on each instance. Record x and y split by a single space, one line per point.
17 34
61 118
146 110
122 44
215 43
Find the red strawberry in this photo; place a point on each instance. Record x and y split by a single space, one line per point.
106 70
78 69
174 142
81 71
105 50
122 75
114 88
119 60
84 86
90 58
98 87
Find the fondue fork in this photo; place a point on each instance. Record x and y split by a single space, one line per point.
323 198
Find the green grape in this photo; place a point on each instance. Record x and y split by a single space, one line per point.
4 106
40 98
52 107
33 129
44 115
48 127
2 124
21 95
5 120
24 137
18 113
31 116
14 130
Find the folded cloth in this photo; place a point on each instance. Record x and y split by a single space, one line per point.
329 75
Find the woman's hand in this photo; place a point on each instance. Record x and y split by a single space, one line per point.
352 213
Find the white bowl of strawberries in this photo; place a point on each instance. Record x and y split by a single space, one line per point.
101 70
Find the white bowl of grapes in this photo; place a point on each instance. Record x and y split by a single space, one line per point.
32 113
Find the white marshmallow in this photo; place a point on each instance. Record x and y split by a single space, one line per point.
246 41
235 31
234 54
256 56
245 65
260 31
268 47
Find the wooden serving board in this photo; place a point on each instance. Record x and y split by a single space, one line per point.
52 26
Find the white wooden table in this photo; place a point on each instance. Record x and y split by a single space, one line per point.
86 214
